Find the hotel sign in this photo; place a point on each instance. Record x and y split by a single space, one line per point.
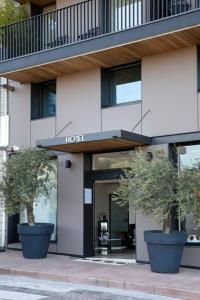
73 139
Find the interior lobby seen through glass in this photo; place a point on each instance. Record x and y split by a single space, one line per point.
188 156
112 160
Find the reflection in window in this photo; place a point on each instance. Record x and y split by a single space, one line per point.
126 14
43 100
46 209
49 100
128 92
126 84
188 157
112 160
121 85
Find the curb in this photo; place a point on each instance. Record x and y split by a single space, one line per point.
100 282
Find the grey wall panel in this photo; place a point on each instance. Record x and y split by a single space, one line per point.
19 111
143 223
70 205
169 83
191 256
122 117
79 101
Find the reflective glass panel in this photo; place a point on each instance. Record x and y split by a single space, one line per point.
46 208
188 157
112 160
125 84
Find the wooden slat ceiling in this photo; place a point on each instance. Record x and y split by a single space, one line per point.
96 146
109 57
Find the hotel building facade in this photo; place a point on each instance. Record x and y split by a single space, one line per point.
93 82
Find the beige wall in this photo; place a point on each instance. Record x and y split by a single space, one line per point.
122 117
65 3
19 110
169 83
79 101
42 129
169 90
70 205
143 223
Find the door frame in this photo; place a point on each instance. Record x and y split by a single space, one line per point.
89 179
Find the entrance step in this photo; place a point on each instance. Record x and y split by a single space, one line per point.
107 261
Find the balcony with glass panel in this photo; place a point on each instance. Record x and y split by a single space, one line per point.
92 33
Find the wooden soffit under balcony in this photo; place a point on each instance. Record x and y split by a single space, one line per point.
95 142
108 50
38 2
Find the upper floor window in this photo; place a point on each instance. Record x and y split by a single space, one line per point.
121 85
43 100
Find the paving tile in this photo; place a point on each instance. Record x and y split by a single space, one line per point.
116 284
179 293
4 271
139 287
130 277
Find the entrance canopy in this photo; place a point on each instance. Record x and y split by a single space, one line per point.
95 142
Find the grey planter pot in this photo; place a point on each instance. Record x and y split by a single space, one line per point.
35 239
165 250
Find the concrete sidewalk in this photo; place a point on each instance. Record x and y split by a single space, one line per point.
185 285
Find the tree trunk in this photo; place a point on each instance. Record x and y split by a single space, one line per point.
167 225
30 215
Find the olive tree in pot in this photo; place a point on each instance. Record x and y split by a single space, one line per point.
27 177
156 188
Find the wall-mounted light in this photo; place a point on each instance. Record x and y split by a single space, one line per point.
15 148
7 87
68 164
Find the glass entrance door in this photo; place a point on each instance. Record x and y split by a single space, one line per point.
114 226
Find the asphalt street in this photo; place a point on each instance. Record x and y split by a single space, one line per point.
20 288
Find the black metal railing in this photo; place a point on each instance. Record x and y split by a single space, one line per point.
85 20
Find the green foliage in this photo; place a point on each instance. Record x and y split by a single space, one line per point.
11 12
188 193
155 188
26 177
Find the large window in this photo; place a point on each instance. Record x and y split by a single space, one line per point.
43 100
187 157
46 208
121 85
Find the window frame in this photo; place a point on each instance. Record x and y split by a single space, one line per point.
107 99
37 92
